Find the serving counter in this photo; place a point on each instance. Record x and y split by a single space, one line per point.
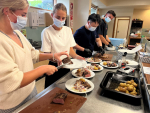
96 102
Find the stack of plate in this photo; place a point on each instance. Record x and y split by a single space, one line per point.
130 54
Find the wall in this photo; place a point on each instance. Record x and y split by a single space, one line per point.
121 12
144 15
82 9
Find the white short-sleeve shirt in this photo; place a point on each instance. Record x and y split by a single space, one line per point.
55 41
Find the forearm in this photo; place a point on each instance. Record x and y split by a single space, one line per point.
32 75
103 40
72 53
98 42
77 47
107 38
45 56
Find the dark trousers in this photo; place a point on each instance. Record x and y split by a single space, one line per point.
57 75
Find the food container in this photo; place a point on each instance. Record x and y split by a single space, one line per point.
112 81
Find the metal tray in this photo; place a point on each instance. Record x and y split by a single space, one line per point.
112 80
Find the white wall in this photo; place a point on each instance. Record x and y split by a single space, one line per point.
121 12
82 9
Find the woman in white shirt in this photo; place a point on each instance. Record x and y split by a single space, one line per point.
17 75
57 38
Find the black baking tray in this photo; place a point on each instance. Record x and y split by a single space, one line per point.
112 80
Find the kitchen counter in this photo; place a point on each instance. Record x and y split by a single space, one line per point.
95 103
136 40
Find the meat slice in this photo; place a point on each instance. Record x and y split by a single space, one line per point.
67 60
60 98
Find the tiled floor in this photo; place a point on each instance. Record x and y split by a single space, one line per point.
40 85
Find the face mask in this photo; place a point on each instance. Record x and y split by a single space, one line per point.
107 19
21 23
92 28
59 23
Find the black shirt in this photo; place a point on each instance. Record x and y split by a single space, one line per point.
102 30
85 39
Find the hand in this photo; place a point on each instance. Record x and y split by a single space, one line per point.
79 57
50 69
57 57
101 50
110 43
87 52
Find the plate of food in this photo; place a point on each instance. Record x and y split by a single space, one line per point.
83 72
94 67
109 64
73 63
131 63
79 85
93 60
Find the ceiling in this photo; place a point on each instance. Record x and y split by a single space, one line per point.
137 4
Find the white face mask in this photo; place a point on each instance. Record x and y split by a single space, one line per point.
21 23
92 28
59 23
107 19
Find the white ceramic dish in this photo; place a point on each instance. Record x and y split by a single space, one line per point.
70 83
75 75
107 66
110 48
96 70
76 64
131 63
87 59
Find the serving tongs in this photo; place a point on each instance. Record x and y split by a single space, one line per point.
58 67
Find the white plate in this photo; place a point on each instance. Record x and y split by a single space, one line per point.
70 83
93 62
75 75
76 64
110 48
107 66
131 63
96 70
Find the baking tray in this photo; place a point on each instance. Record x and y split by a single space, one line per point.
44 105
112 80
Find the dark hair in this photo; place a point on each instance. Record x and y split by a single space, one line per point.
111 12
95 18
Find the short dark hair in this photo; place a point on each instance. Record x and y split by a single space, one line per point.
111 12
95 18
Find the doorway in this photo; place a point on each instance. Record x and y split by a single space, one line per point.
121 27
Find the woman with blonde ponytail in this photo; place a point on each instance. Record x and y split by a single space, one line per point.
17 75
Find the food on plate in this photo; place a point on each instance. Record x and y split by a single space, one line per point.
94 67
99 55
60 98
67 60
109 64
129 87
83 72
92 59
81 85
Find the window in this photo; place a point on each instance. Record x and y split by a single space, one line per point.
44 4
93 11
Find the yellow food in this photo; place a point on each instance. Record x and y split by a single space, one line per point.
130 88
82 79
134 84
95 68
104 63
123 84
128 82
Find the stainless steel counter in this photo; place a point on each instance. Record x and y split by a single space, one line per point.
95 102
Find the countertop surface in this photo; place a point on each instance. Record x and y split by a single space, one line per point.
95 103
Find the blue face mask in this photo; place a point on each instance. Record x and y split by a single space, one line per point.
21 23
92 28
107 19
59 23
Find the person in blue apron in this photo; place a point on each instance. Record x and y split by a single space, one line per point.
103 28
17 75
57 38
86 36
